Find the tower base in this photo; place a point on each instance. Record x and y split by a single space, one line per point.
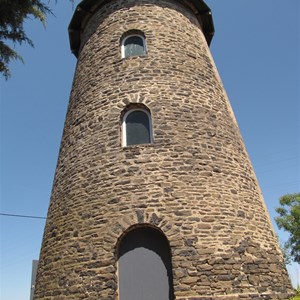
247 296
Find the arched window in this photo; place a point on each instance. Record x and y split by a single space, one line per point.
133 45
144 266
137 127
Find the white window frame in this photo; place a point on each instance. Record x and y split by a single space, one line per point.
129 36
124 135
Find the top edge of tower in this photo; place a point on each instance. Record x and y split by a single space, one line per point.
86 8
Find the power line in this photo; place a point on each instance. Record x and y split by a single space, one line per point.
22 216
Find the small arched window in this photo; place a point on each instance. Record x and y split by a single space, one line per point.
145 266
133 45
137 127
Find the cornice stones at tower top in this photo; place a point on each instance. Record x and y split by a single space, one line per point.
86 8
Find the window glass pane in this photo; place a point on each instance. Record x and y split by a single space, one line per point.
137 128
134 46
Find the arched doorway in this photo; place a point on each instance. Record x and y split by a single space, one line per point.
145 267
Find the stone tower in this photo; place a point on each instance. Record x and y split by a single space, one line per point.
154 196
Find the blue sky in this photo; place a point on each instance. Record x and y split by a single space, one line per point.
256 50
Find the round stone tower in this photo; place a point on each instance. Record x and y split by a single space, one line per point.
154 196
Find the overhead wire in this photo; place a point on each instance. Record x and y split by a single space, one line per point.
22 216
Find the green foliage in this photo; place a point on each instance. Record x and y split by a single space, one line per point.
297 296
12 16
286 253
289 220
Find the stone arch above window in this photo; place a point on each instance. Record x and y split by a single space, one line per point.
133 43
144 265
136 126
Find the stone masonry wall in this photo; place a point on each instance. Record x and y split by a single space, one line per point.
195 182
